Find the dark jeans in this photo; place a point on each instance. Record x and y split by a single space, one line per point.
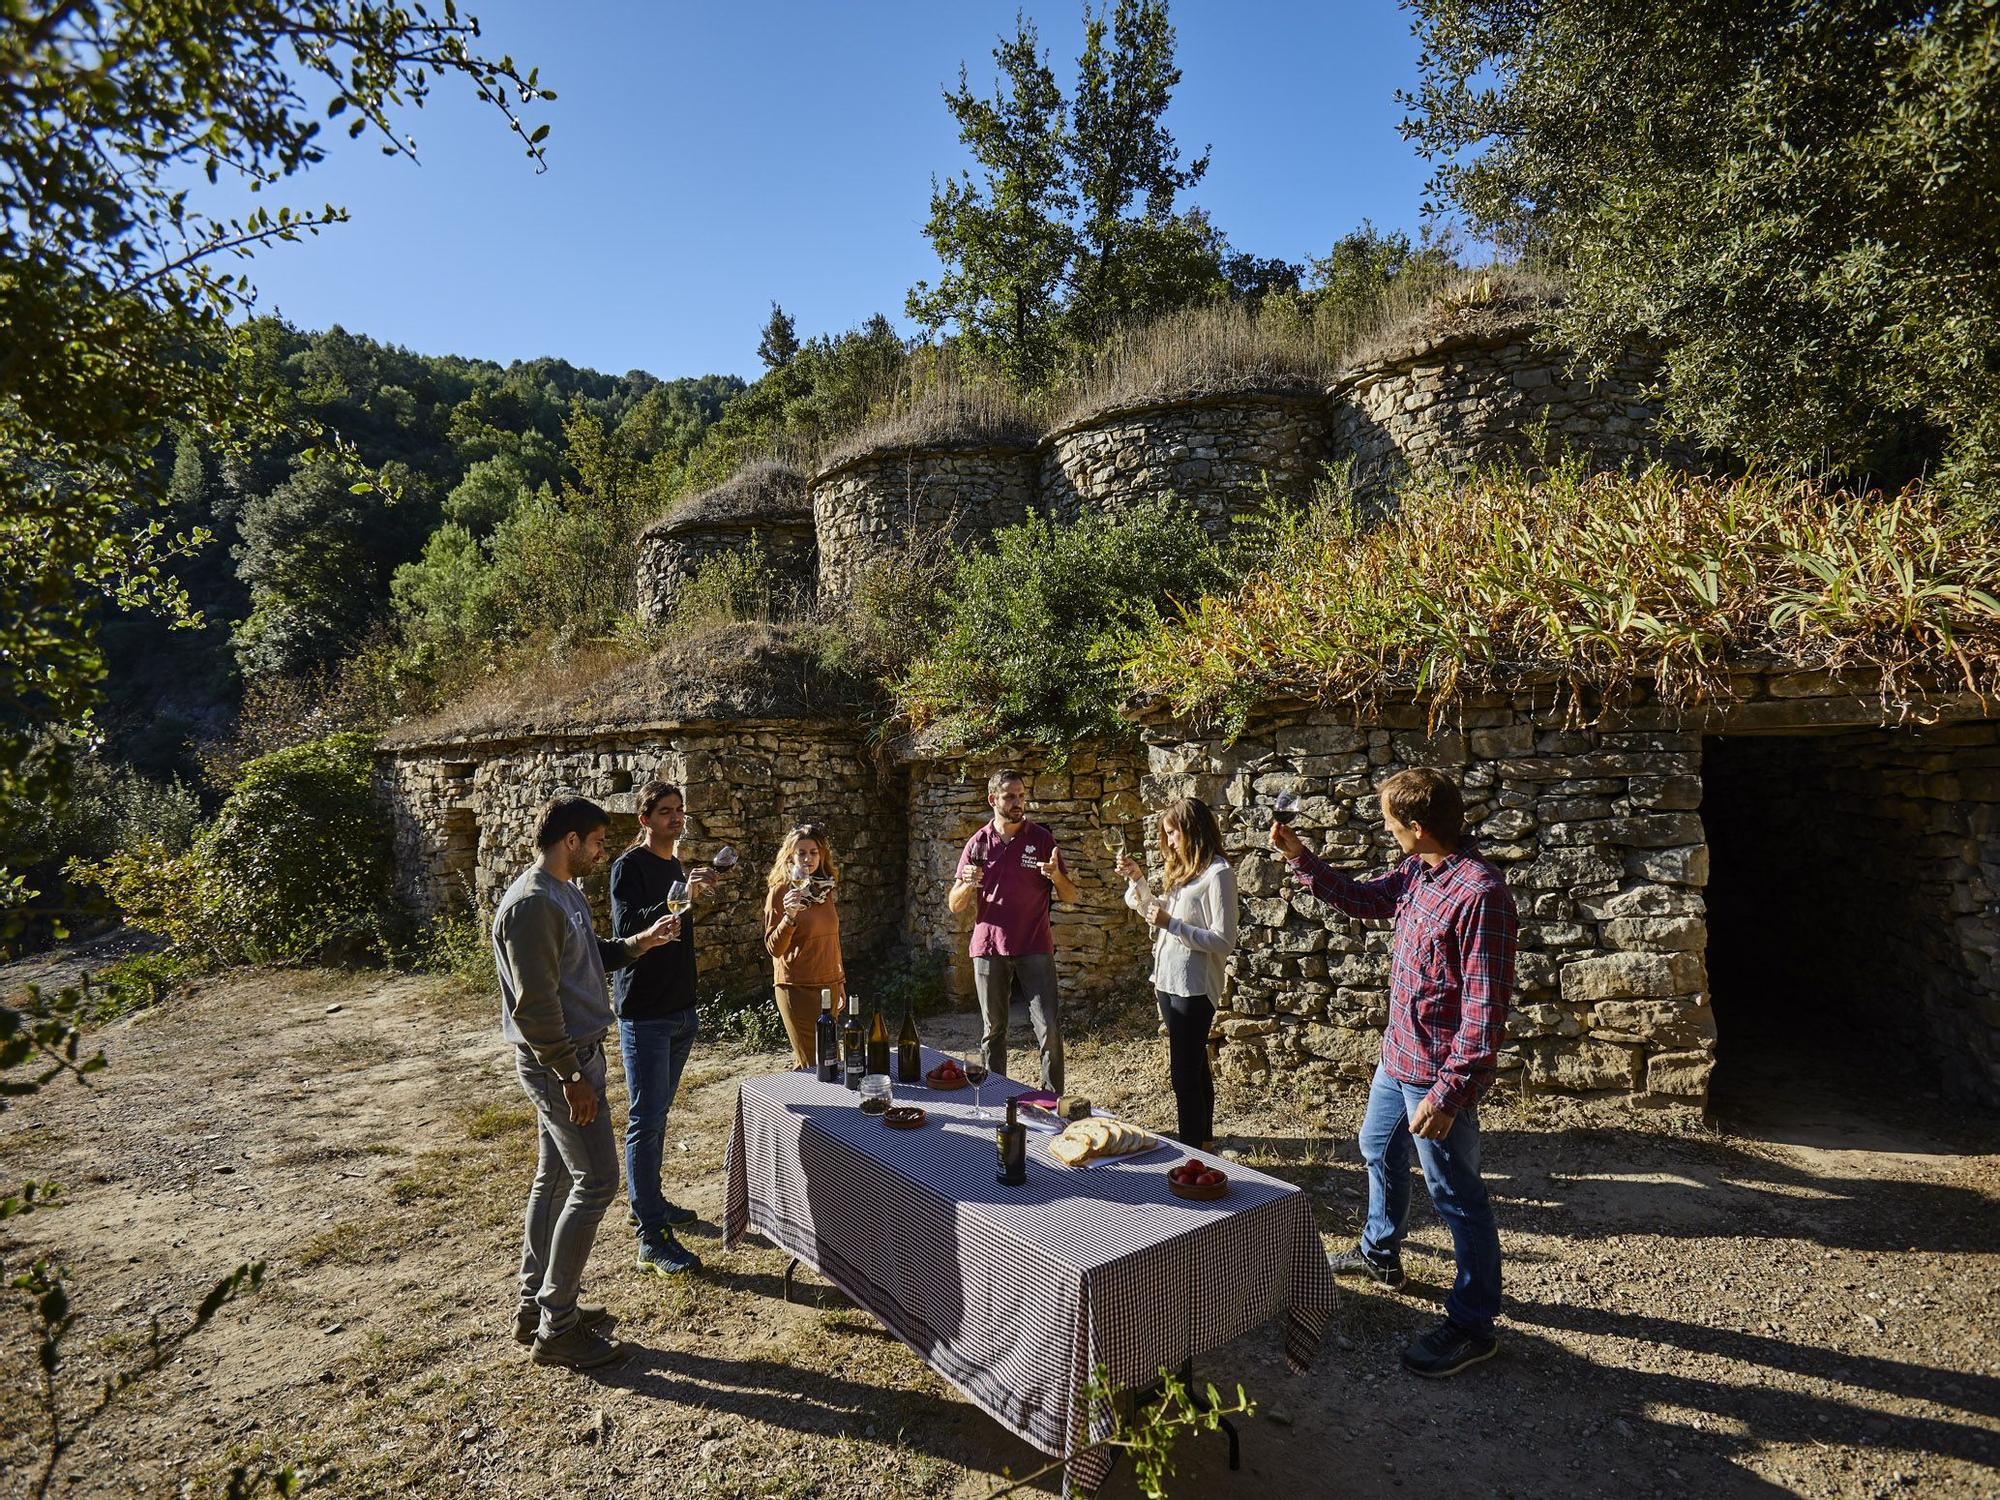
654 1052
576 1179
1188 1018
1451 1172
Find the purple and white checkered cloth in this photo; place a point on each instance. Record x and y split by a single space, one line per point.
1015 1294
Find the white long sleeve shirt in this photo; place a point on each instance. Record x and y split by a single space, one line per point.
1188 953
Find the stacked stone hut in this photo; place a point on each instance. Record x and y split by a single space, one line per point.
763 504
1806 854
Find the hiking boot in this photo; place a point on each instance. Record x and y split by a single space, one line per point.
579 1349
529 1320
677 1216
663 1255
1357 1262
1447 1349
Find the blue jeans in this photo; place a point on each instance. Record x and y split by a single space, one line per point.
655 1052
1451 1172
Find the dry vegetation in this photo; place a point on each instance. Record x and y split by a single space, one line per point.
1601 581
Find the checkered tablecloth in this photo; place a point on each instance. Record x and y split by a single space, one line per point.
1016 1294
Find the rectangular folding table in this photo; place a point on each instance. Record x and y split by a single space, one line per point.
1016 1294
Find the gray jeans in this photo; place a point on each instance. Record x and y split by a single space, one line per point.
576 1180
1035 973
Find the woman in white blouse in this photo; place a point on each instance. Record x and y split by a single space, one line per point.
1194 930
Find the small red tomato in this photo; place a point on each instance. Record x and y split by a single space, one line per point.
1208 1179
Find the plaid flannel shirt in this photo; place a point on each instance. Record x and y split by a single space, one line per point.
1451 966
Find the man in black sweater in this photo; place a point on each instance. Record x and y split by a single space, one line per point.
655 1000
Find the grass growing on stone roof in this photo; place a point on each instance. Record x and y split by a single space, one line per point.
1284 343
1602 581
728 670
939 403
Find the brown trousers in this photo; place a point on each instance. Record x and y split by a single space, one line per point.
798 1008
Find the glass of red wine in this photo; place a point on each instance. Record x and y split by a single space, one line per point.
976 1074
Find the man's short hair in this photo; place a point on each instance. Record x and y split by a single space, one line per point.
1427 798
1001 777
562 816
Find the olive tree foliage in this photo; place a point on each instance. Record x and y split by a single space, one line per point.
117 288
1799 202
1071 228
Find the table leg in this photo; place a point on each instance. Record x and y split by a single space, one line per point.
790 1266
1200 1399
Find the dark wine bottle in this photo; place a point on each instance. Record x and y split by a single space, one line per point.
1012 1140
909 1051
853 1042
878 1045
826 1041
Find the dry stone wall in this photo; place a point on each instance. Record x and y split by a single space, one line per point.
1479 397
1599 840
869 508
1102 950
464 820
1222 454
669 558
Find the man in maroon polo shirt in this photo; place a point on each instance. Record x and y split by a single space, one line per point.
1008 873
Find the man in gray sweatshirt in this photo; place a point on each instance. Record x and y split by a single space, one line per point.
555 1008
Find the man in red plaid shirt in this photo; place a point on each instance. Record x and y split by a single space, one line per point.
1452 976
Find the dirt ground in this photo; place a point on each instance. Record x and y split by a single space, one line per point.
1802 1304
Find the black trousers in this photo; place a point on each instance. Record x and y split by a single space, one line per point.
1188 1018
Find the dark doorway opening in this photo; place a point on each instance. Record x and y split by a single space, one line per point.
1820 926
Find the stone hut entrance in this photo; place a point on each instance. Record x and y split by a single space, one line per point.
1852 917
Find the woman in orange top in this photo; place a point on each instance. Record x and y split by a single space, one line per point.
802 934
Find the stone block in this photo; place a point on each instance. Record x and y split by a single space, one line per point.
1621 976
1583 1067
1684 866
1658 1023
1645 900
1667 793
1684 1075
1680 934
1500 744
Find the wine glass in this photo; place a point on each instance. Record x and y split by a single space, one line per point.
1286 808
725 859
974 1060
677 898
1113 838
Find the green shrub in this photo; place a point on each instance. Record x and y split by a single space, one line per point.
295 866
919 980
1025 649
1601 582
728 587
459 944
747 1017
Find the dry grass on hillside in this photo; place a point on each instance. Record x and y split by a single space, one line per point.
736 670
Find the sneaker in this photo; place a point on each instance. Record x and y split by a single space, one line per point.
677 1216
663 1255
580 1348
529 1319
1447 1349
1356 1262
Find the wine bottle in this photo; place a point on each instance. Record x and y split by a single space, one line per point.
909 1051
853 1043
826 1040
1012 1140
878 1045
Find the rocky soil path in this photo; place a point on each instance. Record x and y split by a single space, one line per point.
1803 1308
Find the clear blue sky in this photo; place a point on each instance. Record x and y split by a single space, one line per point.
705 159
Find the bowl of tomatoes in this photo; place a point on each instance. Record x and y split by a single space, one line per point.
1197 1180
945 1076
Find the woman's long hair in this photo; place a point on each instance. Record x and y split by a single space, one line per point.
1201 840
649 798
781 867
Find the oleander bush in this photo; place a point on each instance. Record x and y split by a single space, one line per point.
1602 581
296 865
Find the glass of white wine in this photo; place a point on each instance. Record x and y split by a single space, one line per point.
677 898
1114 840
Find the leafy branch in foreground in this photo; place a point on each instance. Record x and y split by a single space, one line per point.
1601 582
1151 1434
45 1289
